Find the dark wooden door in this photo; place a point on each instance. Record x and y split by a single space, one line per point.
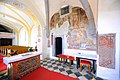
58 46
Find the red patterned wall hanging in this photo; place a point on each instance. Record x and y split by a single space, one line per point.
106 50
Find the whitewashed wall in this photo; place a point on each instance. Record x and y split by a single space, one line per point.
109 22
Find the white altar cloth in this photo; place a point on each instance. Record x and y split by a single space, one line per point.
19 57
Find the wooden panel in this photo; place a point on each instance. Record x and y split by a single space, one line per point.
24 67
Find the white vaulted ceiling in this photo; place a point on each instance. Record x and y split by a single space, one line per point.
29 13
16 14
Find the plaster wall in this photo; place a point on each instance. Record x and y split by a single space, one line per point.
108 22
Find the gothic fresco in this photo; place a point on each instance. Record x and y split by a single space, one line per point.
77 35
106 50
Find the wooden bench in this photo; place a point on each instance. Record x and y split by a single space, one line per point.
66 57
86 63
6 50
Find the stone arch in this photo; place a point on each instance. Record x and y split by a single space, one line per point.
90 16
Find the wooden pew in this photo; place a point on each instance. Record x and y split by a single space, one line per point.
7 49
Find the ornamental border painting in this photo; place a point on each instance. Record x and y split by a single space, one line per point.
106 50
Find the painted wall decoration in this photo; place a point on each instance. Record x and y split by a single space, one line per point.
77 35
106 50
16 4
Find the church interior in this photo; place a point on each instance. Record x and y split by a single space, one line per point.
59 40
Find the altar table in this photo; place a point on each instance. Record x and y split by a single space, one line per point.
22 64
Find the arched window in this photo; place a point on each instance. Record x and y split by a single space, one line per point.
23 39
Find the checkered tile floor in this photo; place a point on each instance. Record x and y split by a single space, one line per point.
67 69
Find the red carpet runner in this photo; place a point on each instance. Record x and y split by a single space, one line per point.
3 66
45 74
1 58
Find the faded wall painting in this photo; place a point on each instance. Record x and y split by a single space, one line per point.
78 36
106 50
